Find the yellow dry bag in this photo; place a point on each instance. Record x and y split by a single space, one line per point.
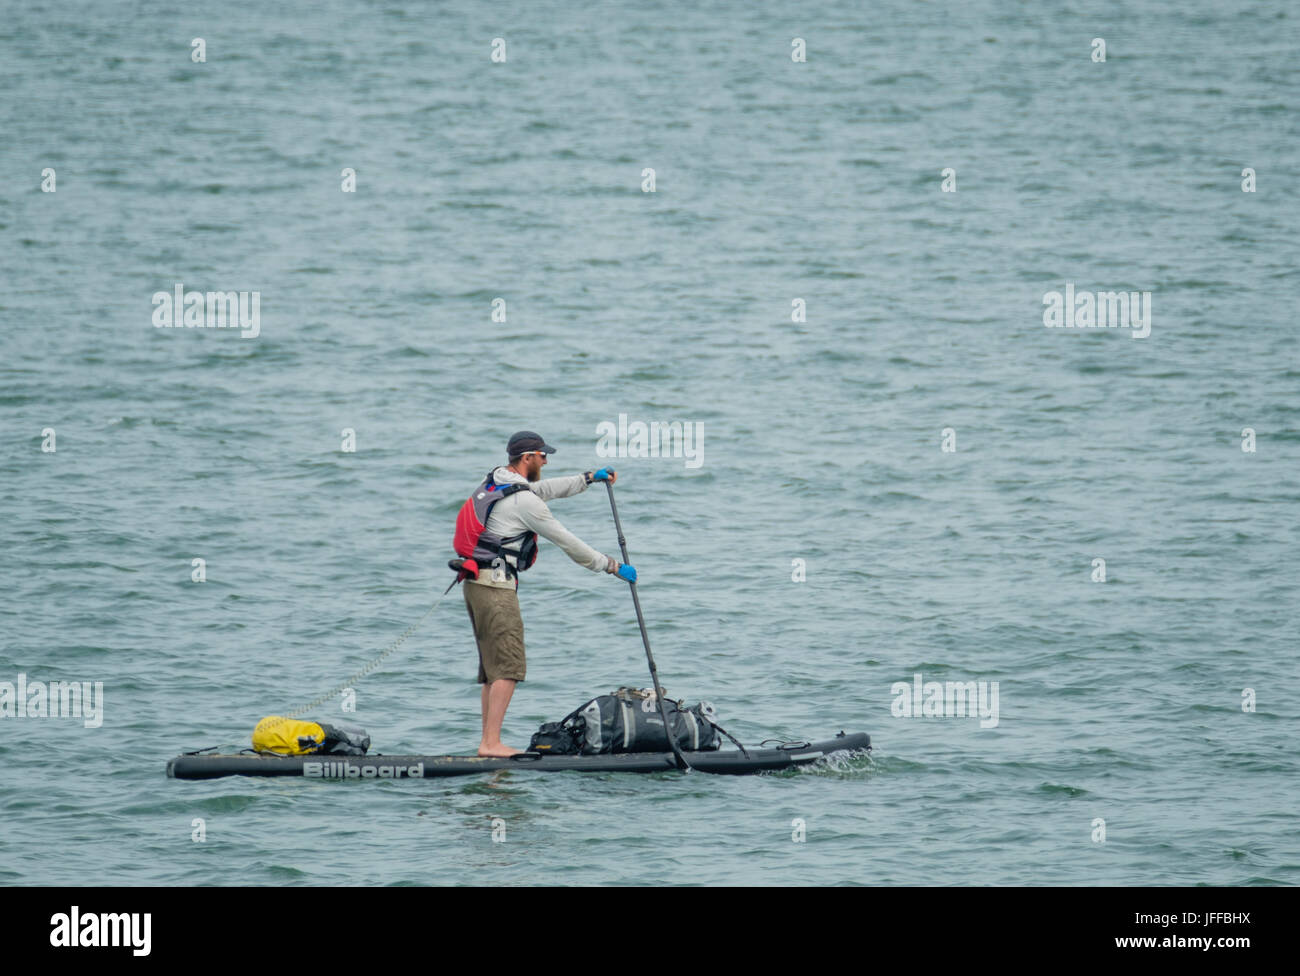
287 736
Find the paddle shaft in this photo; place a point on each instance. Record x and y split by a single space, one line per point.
645 639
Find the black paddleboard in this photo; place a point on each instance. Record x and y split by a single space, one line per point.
728 761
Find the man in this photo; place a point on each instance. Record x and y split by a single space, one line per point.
496 533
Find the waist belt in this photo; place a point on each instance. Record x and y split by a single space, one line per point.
469 569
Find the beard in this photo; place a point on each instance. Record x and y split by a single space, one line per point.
535 472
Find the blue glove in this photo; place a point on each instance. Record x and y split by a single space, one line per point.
626 572
601 475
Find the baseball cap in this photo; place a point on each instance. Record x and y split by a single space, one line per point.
525 441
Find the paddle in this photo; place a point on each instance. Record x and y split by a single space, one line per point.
645 639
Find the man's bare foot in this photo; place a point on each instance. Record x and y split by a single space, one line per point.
499 751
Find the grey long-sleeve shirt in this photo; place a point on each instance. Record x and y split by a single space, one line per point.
526 511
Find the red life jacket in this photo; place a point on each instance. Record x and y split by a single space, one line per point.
479 547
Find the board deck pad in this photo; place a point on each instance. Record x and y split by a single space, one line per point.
725 761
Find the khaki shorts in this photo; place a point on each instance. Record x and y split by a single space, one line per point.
498 631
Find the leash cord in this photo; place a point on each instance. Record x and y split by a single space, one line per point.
353 679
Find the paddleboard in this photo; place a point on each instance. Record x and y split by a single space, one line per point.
723 761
